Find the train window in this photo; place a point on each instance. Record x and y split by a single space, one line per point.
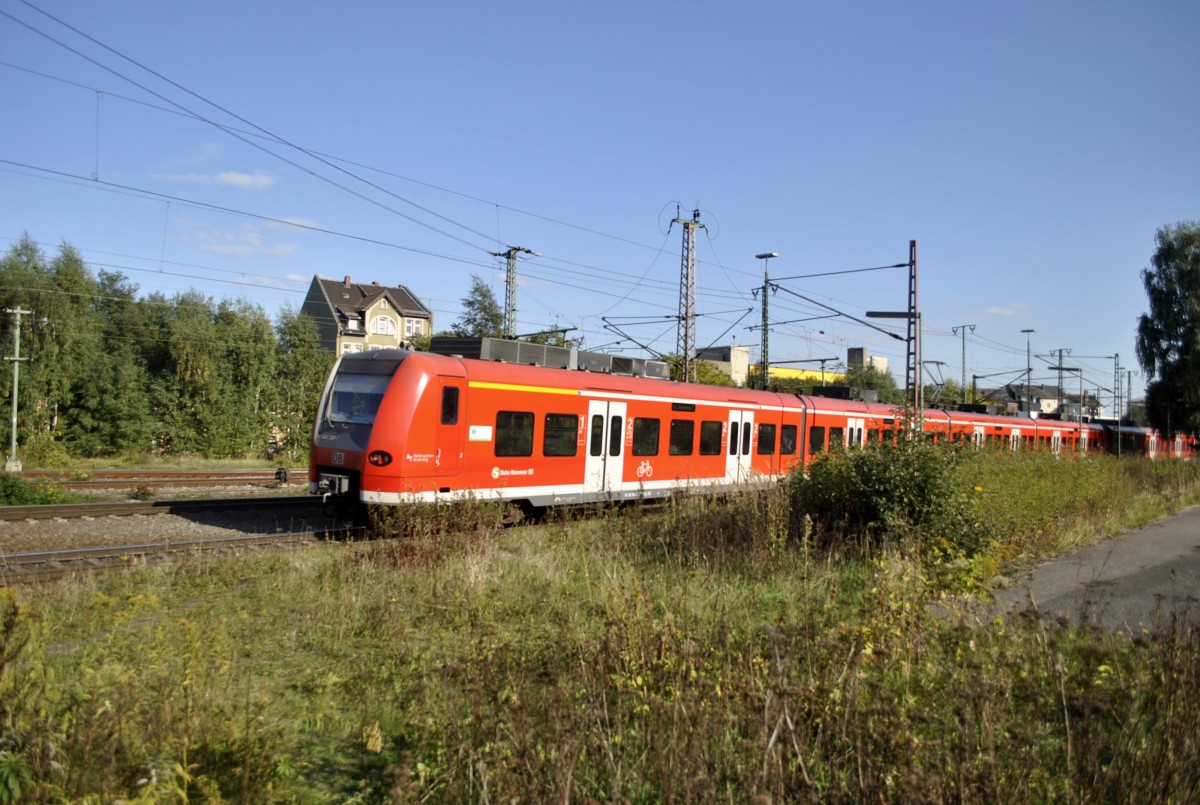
559 437
733 438
787 440
745 438
816 439
872 436
616 435
645 436
450 405
514 433
837 438
683 432
356 398
766 440
710 438
596 442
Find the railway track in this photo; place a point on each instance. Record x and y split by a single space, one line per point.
49 541
155 479
33 566
68 511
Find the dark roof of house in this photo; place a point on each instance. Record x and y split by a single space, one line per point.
354 297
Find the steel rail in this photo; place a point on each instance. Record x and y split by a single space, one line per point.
125 508
42 565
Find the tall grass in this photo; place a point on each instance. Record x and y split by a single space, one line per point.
712 651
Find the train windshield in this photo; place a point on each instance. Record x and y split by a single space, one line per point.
355 398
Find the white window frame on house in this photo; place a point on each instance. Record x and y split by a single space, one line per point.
413 327
383 325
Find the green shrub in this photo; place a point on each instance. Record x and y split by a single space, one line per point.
888 494
16 491
47 453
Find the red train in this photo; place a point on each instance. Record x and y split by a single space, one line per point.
397 426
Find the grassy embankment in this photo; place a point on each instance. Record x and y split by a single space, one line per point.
732 651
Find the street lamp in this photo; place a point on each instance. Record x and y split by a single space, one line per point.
1028 374
766 258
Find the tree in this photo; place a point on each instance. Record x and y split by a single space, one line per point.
302 367
1168 336
869 378
706 372
481 316
111 412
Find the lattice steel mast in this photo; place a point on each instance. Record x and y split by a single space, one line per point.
686 342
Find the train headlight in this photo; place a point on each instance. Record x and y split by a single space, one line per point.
379 458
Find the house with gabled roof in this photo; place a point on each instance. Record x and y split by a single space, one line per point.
357 317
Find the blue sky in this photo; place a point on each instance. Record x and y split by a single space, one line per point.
1031 149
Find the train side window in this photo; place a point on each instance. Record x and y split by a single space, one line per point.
787 440
733 438
450 405
837 438
745 438
816 439
683 432
645 436
514 433
766 440
596 441
872 436
616 435
559 436
710 438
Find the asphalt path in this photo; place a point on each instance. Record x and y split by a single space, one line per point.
1130 582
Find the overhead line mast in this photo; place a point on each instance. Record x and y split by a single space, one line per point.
686 342
510 287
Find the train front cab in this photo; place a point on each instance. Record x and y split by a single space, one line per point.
346 416
366 447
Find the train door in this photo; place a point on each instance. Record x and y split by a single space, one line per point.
977 437
737 457
1056 441
854 432
1014 440
605 446
448 433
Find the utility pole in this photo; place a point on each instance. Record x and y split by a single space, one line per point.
510 287
765 367
686 341
13 464
964 328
